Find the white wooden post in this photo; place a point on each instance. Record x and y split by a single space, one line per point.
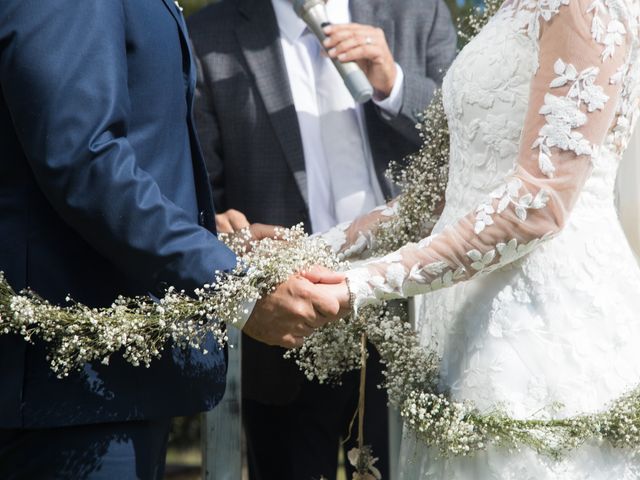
222 452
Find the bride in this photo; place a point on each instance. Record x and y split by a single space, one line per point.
538 297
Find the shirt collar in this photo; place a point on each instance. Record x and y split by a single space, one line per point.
292 27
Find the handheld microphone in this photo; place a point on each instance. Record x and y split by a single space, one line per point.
314 14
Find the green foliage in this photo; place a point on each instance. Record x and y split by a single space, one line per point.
192 6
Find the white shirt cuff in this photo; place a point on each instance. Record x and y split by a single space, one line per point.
391 105
247 307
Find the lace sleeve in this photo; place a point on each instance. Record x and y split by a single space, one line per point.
572 105
355 240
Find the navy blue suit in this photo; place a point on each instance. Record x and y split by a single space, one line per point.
103 191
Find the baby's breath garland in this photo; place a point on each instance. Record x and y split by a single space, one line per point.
411 378
140 328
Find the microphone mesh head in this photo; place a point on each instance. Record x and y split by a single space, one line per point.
301 6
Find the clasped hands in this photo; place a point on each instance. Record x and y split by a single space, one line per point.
305 302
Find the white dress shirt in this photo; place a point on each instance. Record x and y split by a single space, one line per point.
339 189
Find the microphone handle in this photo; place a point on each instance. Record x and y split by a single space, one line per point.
354 78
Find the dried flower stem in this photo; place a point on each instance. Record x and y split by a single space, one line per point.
362 393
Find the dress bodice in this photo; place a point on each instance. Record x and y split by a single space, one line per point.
540 106
486 94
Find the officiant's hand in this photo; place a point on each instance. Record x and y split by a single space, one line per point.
293 311
366 45
233 221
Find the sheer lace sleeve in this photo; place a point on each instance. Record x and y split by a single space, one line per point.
355 240
572 106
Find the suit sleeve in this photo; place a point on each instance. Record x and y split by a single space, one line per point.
420 85
209 135
63 73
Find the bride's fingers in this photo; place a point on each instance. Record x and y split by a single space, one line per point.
319 274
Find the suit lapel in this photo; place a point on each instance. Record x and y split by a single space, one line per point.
203 191
259 39
187 55
177 15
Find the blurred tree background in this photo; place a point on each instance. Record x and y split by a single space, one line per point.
191 6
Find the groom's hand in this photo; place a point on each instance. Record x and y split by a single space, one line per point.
291 313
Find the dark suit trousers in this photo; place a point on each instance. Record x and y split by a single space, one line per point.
300 441
108 451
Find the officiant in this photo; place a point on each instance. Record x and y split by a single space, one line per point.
285 143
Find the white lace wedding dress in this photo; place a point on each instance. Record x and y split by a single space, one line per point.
534 293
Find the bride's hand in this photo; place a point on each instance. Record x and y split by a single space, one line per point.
331 285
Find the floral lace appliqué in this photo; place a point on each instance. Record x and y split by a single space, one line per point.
563 114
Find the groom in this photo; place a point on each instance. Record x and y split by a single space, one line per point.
103 192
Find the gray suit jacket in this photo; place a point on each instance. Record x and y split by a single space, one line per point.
249 130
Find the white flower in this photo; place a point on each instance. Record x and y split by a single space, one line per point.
336 237
435 268
396 275
506 193
480 261
483 217
613 38
617 77
594 97
566 73
541 199
508 251
562 113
